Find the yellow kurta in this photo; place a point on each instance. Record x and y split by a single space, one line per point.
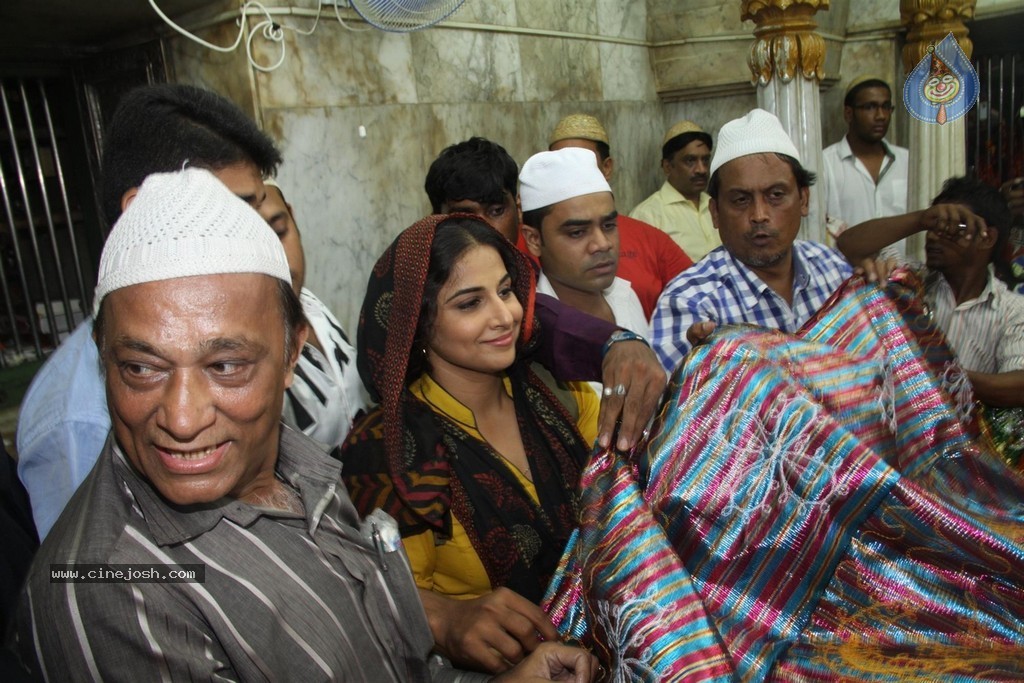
453 568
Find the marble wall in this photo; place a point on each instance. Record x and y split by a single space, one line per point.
414 94
877 55
507 70
871 42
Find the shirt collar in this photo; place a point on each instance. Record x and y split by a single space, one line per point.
751 287
438 398
300 463
671 195
935 279
846 152
989 292
544 286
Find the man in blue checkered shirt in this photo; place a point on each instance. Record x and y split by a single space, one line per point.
761 274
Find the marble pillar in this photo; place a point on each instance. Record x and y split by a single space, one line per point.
787 61
936 152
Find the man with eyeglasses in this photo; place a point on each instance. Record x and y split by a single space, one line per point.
680 206
865 177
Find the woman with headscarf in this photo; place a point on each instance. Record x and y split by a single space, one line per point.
473 453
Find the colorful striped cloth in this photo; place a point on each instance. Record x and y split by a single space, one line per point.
810 508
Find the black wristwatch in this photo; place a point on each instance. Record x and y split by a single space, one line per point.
621 335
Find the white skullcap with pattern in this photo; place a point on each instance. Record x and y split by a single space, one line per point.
551 177
183 224
758 132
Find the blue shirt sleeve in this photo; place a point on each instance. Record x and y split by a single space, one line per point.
62 426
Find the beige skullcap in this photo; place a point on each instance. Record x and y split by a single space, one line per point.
551 177
756 133
680 127
579 126
183 224
864 78
272 182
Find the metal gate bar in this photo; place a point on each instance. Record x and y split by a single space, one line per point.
41 241
994 126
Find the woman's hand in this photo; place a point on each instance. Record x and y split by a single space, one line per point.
490 633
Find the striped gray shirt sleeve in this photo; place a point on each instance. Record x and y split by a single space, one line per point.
283 597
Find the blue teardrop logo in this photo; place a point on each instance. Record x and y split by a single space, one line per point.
943 86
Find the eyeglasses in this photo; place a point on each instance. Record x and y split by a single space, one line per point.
873 107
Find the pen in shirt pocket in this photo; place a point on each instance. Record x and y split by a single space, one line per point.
383 534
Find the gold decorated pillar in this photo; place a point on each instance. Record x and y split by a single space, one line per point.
937 152
787 61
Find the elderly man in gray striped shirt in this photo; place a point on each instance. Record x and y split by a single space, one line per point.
210 541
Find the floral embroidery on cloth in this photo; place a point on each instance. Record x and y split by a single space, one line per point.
807 508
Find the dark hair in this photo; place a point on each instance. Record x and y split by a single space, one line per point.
294 316
158 128
675 144
288 301
984 200
453 238
804 178
851 96
478 170
534 217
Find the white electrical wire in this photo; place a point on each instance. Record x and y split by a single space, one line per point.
268 28
272 32
193 37
341 21
319 11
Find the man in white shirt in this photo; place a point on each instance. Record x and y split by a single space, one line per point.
648 257
570 225
865 176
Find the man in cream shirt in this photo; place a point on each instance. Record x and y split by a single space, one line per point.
680 206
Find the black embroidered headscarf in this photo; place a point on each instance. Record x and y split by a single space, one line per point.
420 466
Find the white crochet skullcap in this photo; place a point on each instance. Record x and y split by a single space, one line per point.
183 224
756 133
551 177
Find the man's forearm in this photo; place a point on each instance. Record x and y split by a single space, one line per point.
999 389
866 239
